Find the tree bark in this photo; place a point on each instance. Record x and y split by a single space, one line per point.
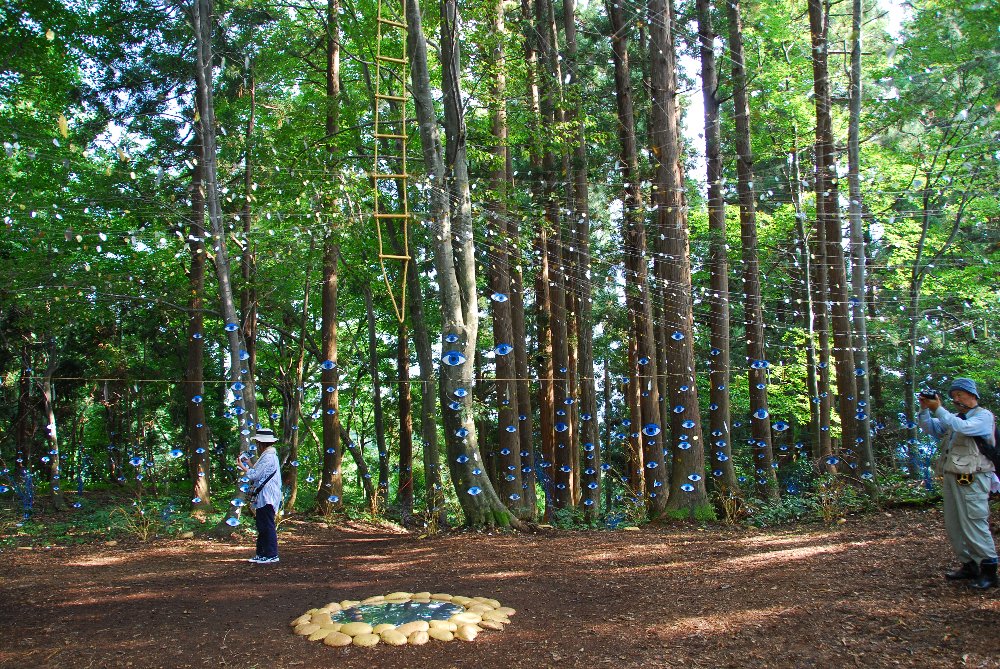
508 463
241 383
455 273
404 498
643 388
589 438
723 473
688 497
866 460
757 363
843 351
329 497
373 370
51 436
199 463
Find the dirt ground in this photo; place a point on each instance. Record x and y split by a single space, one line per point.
866 593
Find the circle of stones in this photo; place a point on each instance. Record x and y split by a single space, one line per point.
478 614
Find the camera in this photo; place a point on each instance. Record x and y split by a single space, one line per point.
930 394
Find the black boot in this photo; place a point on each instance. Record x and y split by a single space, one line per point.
968 570
987 575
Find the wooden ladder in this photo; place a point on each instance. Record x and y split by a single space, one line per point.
389 174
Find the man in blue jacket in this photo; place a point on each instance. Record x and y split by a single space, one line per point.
966 477
265 475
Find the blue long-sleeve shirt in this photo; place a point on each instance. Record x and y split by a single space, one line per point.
978 422
267 464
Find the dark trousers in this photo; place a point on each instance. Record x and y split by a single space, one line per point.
267 533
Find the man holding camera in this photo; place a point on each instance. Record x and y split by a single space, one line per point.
967 475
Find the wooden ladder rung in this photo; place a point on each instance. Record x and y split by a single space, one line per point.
389 136
375 175
393 257
390 22
390 59
392 215
394 98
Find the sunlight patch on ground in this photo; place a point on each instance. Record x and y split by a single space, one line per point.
99 561
788 555
726 623
769 540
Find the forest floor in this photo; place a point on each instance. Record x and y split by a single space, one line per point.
865 593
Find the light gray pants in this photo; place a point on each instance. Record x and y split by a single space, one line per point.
967 517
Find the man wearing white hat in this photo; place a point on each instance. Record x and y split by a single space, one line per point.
265 480
967 475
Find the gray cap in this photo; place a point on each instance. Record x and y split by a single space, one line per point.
968 385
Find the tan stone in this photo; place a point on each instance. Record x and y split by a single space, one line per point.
381 627
497 616
506 610
354 629
393 637
302 620
461 600
466 618
443 625
337 639
418 638
321 633
366 640
422 595
480 608
467 632
375 599
491 625
440 634
322 619
441 597
332 607
307 629
415 626
348 603
399 595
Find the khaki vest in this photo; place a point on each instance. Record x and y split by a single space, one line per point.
959 454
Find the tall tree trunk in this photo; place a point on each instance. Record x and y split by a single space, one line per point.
589 438
858 268
51 436
433 491
241 382
455 272
643 389
296 396
723 473
757 363
508 463
24 424
688 495
199 463
331 487
404 498
827 190
562 460
533 45
808 309
373 370
248 259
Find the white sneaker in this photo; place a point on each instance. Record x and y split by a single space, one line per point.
260 559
